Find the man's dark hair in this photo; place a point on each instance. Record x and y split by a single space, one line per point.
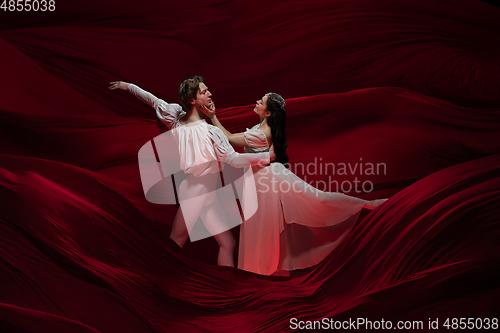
188 90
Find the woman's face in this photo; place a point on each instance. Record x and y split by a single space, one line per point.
261 107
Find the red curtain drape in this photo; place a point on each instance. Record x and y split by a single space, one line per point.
412 85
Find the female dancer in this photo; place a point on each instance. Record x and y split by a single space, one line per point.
295 225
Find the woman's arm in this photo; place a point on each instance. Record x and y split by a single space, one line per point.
236 139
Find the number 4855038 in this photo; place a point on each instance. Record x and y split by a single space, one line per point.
28 5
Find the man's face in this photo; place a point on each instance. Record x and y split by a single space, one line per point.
203 97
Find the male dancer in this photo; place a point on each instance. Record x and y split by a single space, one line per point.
201 146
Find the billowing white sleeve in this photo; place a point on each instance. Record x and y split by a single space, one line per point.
226 153
255 138
167 113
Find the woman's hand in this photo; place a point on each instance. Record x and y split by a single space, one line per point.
118 85
209 110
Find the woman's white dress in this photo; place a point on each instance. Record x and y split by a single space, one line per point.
295 225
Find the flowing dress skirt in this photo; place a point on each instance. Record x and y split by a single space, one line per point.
295 225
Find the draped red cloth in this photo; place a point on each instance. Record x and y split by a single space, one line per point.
412 85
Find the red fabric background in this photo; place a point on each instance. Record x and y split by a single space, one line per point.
411 85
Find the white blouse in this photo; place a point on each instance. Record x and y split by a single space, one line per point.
256 140
201 145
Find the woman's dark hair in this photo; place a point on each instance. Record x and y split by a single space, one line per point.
277 121
188 90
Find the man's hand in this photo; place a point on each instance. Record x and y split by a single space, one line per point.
118 85
208 110
272 154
